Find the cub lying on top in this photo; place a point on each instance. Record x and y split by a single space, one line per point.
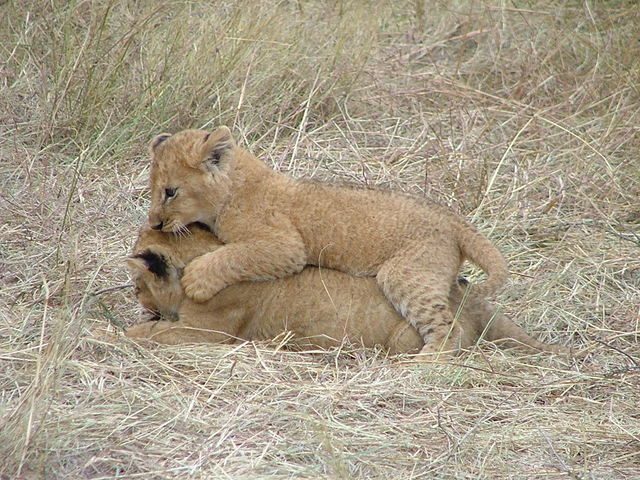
272 226
320 307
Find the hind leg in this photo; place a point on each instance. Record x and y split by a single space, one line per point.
420 293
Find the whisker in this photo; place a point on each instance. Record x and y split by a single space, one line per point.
182 230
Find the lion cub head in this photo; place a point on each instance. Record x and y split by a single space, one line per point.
190 177
157 262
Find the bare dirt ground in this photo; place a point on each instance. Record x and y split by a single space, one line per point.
522 115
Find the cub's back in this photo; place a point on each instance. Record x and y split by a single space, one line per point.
348 225
322 307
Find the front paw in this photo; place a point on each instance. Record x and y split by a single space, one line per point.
198 291
199 283
140 331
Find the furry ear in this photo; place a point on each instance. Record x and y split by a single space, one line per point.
158 140
216 146
151 261
136 265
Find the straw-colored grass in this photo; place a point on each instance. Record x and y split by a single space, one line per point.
523 115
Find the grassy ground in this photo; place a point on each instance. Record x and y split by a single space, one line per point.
521 115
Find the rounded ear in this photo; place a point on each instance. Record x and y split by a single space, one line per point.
216 146
158 139
151 261
136 265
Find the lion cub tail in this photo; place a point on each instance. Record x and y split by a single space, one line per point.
478 249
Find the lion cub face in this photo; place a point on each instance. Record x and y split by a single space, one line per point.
157 262
189 177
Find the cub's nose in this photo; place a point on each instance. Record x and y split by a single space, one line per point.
158 226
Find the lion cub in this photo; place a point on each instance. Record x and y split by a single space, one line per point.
321 307
272 226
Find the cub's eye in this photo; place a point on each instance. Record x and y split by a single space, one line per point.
170 192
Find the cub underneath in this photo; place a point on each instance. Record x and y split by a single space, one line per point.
272 226
320 307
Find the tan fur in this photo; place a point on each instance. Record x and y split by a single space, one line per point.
272 226
321 307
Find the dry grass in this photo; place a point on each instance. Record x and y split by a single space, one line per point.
521 115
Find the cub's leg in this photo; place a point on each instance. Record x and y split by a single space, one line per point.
160 331
420 293
483 319
511 335
271 254
176 333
